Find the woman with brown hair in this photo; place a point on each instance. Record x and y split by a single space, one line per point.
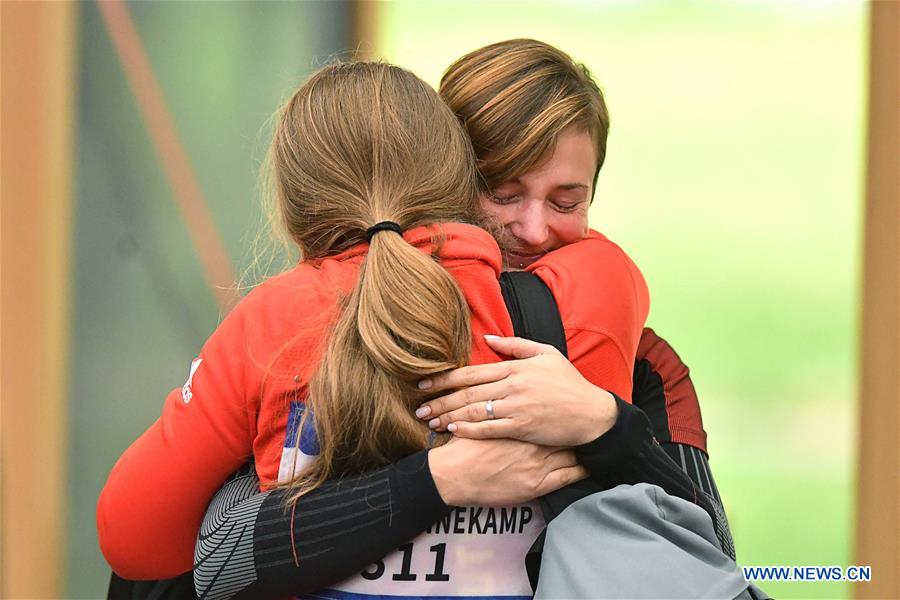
539 126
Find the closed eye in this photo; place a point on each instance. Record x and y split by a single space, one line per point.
566 207
504 199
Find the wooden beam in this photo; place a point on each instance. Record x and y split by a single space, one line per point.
362 30
36 111
878 494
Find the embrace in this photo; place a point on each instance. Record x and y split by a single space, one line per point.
400 437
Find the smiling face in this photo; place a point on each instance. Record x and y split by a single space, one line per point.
547 207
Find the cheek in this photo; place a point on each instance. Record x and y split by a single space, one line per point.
569 228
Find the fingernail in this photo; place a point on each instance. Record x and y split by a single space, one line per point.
451 427
434 423
489 336
423 411
424 384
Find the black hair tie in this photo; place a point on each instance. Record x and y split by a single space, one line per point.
382 226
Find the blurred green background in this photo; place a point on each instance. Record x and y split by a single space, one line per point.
733 178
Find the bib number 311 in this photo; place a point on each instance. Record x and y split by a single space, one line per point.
376 570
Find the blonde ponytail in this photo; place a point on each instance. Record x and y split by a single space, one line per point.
405 319
358 144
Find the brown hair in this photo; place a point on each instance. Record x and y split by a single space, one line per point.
515 98
357 144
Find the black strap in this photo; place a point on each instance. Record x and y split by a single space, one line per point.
535 316
533 309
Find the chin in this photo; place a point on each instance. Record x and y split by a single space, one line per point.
516 262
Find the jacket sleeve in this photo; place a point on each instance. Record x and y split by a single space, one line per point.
151 507
664 391
628 453
668 396
252 546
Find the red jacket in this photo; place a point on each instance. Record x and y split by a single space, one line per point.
263 354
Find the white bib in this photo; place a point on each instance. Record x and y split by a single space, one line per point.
473 552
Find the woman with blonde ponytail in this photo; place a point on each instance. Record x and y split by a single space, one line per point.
316 373
343 154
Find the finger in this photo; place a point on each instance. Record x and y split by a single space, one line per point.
519 347
561 478
466 377
475 412
485 430
458 399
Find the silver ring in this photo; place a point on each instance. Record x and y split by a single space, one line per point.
489 407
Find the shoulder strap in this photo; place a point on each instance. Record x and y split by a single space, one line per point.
535 316
533 309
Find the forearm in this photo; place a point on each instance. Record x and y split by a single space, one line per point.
664 391
332 533
628 454
696 465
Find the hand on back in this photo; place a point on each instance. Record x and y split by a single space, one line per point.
540 397
500 472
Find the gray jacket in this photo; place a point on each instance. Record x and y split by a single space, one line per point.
636 541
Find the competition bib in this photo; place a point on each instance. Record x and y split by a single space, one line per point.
473 552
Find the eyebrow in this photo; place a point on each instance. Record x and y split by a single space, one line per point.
563 186
573 186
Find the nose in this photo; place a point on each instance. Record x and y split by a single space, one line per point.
530 226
